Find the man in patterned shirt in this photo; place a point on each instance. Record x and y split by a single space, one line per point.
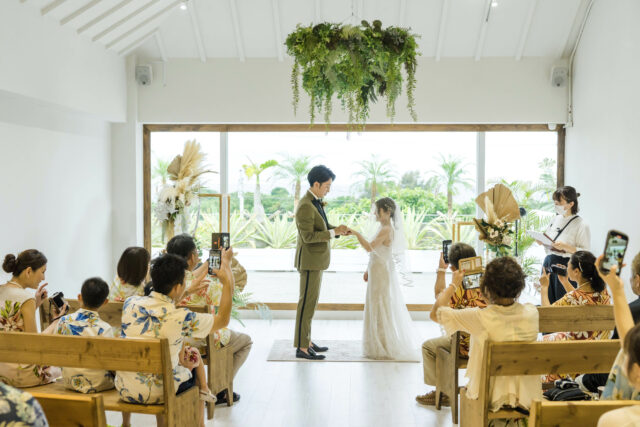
463 298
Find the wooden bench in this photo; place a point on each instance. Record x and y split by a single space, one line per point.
219 370
532 358
135 355
551 319
83 410
583 414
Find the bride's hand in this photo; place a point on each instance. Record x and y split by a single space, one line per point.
366 276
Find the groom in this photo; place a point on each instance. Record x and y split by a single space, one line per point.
312 256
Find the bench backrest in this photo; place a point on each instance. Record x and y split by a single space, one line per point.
86 410
136 355
576 318
583 414
111 312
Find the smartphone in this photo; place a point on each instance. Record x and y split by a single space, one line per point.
559 269
472 281
215 258
58 299
445 250
220 240
614 250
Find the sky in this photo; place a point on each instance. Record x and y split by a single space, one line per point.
509 155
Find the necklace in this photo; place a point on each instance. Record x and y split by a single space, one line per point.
584 284
11 282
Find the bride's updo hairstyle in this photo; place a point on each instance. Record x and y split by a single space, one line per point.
388 205
503 278
29 258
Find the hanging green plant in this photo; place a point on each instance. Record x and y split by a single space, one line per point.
358 64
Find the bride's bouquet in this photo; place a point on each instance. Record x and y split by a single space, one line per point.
501 210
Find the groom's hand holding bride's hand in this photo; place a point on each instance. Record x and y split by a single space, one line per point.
341 230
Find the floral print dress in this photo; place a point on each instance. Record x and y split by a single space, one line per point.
20 409
17 375
120 291
156 316
578 297
85 323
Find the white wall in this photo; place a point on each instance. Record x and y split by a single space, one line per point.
42 60
603 146
259 91
55 170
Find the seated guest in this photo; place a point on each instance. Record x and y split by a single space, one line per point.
184 246
462 298
19 408
19 313
156 316
131 271
624 379
591 382
86 322
504 319
590 291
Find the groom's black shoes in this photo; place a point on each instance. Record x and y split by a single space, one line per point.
318 349
311 355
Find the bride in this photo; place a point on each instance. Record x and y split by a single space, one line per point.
387 332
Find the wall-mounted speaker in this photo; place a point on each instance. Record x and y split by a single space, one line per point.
144 74
559 76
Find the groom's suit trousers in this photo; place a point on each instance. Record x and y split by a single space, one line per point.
309 293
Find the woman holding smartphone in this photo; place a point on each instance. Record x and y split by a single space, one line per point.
569 233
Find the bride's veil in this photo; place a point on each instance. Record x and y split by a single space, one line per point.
399 249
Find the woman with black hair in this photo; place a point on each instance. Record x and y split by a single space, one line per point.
133 267
570 233
591 290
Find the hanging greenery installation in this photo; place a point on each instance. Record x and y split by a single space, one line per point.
358 64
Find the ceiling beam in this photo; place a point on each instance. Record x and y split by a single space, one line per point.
103 16
143 23
124 20
444 13
79 12
161 48
236 29
525 29
196 30
275 7
138 42
486 13
317 11
54 4
402 12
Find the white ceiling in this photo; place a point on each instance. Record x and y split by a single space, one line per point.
257 28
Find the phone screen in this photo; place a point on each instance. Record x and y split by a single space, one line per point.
445 250
215 259
472 281
614 250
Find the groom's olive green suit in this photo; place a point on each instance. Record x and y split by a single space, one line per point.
313 254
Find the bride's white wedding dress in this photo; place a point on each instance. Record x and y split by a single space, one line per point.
388 332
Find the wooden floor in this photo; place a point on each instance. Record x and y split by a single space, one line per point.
290 394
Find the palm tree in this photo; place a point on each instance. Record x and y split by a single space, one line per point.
375 175
160 170
294 169
254 169
452 175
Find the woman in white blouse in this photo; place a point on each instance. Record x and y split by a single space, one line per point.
570 233
504 319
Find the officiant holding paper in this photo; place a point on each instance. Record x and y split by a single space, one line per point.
567 233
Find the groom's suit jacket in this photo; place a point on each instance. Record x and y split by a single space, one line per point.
313 248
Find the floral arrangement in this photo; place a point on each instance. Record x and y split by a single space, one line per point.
175 197
497 235
502 210
358 64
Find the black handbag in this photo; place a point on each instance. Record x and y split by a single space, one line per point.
566 390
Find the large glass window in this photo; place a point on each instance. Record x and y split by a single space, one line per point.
431 175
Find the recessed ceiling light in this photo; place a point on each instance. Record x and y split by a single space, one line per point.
183 5
494 4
